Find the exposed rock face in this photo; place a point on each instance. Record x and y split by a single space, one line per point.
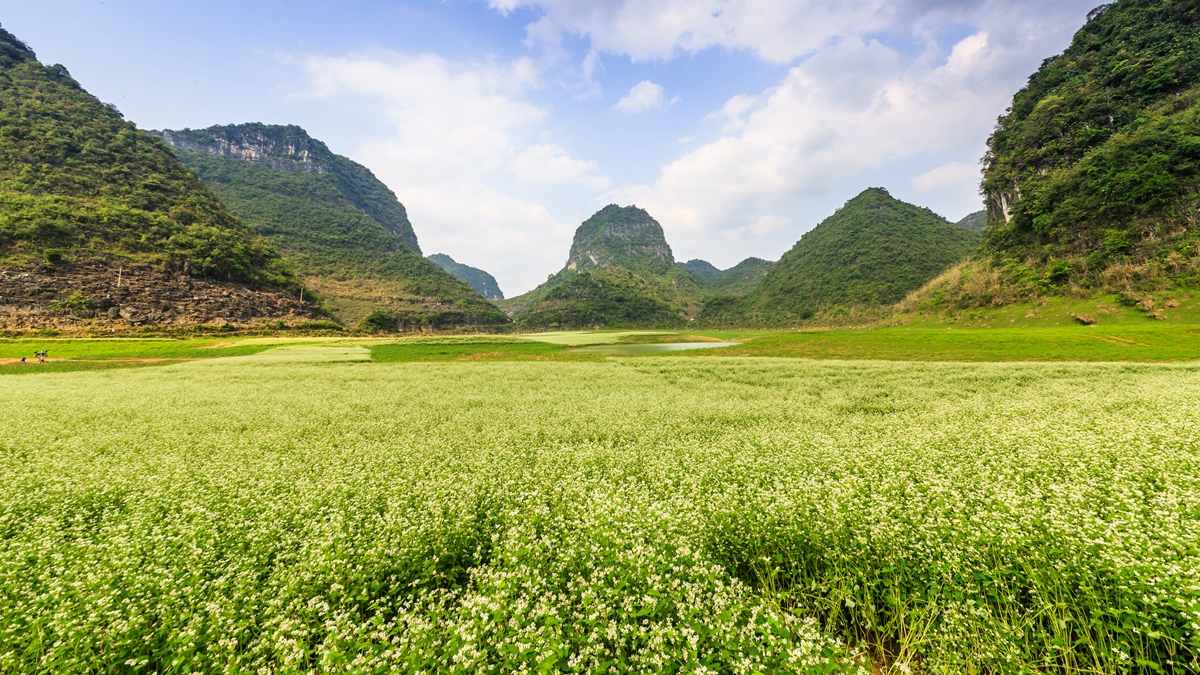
109 294
626 237
290 148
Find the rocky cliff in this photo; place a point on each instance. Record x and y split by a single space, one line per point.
289 148
99 295
621 237
341 229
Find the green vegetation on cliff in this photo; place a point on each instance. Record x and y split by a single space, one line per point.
483 283
339 227
737 280
742 277
621 237
975 222
613 297
1096 166
871 253
77 181
1092 178
620 273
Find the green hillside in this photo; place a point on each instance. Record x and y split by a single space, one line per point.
737 280
703 269
1092 178
742 277
483 283
621 237
78 182
1096 167
620 272
975 222
613 297
341 229
870 253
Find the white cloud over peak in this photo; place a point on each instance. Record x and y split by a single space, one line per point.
551 164
947 175
457 129
644 95
854 106
900 93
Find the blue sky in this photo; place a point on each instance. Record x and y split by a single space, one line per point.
502 124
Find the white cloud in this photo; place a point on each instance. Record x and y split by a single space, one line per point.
954 174
644 95
457 127
854 106
870 89
551 164
776 31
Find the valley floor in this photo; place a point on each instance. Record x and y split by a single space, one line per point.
1135 339
462 504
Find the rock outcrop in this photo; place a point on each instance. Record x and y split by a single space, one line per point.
117 295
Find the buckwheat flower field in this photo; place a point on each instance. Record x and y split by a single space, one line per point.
306 510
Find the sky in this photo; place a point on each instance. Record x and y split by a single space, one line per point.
502 124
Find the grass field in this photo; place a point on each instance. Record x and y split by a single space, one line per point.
1130 341
309 509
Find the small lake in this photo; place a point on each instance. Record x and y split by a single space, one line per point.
638 350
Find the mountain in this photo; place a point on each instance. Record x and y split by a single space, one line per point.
737 280
483 283
337 225
1092 177
870 253
975 222
100 224
612 297
703 269
620 273
621 237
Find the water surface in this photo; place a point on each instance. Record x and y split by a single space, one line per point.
637 350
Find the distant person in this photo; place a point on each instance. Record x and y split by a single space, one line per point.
22 360
41 356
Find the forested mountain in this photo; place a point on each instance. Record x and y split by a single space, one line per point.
1092 178
483 283
620 273
703 269
88 201
341 229
975 222
735 281
870 253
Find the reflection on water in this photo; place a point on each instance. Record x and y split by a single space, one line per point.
636 350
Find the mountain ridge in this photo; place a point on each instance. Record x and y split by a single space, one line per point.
483 283
870 253
632 279
342 229
84 194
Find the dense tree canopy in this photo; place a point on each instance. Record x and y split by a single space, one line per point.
78 180
1101 150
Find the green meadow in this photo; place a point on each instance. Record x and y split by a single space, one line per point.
1133 339
465 504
